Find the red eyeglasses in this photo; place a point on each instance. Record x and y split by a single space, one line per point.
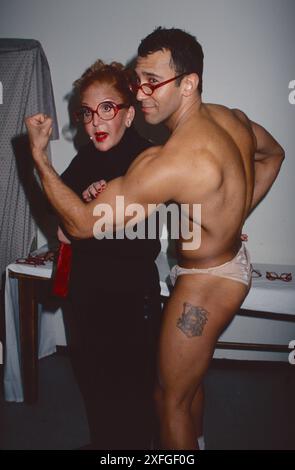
148 89
272 276
106 110
38 260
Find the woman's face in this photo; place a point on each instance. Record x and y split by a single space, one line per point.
106 134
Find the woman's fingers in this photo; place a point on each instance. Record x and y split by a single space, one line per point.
93 190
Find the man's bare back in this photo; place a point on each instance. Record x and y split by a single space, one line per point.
220 146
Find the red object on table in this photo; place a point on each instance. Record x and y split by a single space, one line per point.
63 269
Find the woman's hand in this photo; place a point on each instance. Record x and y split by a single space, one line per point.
39 128
93 190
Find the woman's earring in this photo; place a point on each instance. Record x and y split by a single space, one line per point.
90 137
128 123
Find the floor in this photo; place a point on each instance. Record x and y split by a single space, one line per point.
248 406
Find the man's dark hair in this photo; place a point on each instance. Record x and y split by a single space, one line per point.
186 53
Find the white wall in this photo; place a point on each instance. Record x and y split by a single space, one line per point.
249 62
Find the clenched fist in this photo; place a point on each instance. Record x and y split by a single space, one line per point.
39 128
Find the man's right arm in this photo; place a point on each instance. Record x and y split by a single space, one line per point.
268 158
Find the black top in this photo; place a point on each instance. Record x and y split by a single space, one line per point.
115 265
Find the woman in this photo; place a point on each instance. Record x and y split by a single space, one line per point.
114 284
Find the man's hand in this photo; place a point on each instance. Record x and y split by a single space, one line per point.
39 129
93 190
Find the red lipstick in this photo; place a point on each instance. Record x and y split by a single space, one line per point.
101 136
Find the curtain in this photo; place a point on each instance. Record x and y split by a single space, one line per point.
26 88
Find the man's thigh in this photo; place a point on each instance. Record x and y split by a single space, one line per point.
200 307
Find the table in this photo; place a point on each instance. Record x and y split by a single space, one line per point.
274 301
32 330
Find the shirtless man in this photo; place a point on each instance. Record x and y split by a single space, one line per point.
215 157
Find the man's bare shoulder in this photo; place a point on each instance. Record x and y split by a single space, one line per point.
151 158
230 125
145 156
239 114
151 177
228 114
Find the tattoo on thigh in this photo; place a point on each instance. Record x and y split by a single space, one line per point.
192 320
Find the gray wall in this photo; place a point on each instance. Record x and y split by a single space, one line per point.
249 63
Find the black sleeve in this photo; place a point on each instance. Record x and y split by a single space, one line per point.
71 177
72 174
80 172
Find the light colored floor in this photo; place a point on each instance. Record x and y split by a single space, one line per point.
248 406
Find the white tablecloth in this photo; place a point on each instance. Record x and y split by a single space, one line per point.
269 296
51 328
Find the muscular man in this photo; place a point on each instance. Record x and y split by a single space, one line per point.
215 157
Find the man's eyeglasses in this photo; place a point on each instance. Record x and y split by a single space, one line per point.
148 89
272 276
106 110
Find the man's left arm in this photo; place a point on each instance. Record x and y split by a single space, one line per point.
268 158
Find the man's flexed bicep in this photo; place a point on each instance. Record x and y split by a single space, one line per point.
133 197
268 158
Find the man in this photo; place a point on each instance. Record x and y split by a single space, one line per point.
215 157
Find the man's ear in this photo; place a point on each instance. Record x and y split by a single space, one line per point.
189 84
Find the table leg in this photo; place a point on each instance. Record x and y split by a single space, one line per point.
28 316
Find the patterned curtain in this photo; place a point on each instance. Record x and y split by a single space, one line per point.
25 89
